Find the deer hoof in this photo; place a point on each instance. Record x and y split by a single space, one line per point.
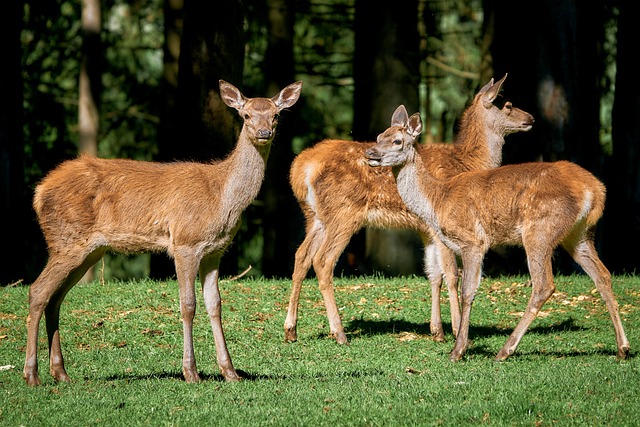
290 335
341 338
32 380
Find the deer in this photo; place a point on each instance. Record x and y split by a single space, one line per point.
539 206
339 194
190 210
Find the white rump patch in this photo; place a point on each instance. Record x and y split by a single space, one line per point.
311 196
586 204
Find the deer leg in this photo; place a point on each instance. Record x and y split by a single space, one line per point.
471 276
445 259
52 316
45 296
186 270
303 259
434 273
213 302
324 262
540 268
586 256
40 293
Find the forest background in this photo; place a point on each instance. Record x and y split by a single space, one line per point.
139 79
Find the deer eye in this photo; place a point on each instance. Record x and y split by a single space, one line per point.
247 116
508 106
397 142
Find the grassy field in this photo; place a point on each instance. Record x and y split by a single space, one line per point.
122 343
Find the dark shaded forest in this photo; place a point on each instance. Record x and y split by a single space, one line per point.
139 79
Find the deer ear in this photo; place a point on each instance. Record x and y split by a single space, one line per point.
486 87
414 126
492 91
288 96
400 116
231 95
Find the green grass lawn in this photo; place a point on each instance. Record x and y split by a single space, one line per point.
122 343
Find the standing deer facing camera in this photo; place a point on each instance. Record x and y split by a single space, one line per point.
536 205
192 211
339 194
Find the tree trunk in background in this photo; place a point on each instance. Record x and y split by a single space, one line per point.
280 207
161 265
89 86
386 74
212 48
13 199
622 216
555 75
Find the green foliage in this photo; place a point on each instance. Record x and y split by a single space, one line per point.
132 40
122 343
132 100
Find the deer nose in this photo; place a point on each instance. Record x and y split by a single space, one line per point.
372 154
264 133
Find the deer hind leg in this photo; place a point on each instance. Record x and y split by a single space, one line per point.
540 268
209 268
324 262
440 261
186 269
585 254
46 294
304 256
471 276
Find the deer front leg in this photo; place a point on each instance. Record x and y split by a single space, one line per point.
186 269
213 303
471 276
434 274
450 269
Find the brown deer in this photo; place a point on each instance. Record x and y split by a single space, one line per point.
339 194
192 211
539 206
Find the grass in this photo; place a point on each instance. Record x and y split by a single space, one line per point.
122 343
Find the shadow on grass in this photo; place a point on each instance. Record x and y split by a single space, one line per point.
246 376
368 328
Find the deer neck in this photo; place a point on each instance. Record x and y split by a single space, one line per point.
243 175
479 146
417 188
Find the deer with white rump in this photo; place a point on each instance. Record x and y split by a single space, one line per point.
536 205
192 211
339 194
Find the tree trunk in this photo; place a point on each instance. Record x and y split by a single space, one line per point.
212 48
386 74
552 75
281 218
14 203
622 216
161 265
89 86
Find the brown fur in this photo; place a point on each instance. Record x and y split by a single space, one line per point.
87 206
536 205
339 194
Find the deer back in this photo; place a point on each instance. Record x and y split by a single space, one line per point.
549 199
